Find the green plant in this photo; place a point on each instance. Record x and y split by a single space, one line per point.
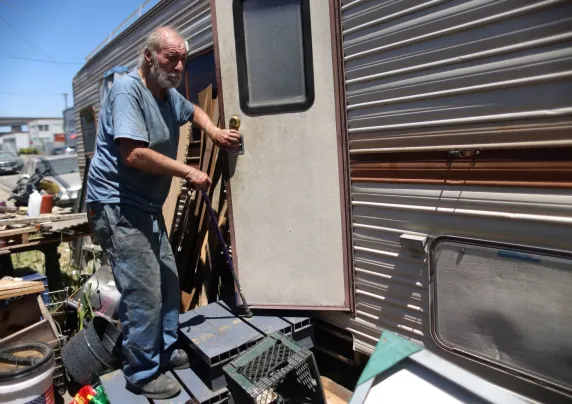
28 150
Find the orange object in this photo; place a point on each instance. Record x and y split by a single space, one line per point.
47 204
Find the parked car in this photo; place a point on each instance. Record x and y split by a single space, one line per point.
10 163
63 171
63 150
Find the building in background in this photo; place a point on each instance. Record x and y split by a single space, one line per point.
14 134
69 127
14 141
46 133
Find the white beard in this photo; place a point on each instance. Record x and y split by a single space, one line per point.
163 78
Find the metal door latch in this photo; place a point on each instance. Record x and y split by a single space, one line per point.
234 123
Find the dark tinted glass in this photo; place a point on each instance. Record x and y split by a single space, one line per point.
274 55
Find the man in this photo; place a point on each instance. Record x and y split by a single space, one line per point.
128 183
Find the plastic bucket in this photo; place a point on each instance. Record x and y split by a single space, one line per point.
93 351
28 376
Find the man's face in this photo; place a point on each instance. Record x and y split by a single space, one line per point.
168 64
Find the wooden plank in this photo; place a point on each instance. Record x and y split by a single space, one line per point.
187 264
170 206
46 240
47 316
202 254
20 292
17 232
50 217
38 332
336 389
331 398
11 285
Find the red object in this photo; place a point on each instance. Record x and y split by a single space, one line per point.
84 395
47 204
73 136
59 137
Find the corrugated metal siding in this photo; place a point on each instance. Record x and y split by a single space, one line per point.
414 69
392 283
191 18
414 72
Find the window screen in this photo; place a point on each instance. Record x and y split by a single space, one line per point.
508 305
274 55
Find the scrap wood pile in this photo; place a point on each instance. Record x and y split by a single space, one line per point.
15 288
20 231
24 313
201 266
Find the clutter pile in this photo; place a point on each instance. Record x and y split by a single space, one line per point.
43 233
82 334
30 343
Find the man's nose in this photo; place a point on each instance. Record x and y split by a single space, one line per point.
179 67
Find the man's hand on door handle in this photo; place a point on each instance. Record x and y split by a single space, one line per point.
227 139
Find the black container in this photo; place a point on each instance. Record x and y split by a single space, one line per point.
93 351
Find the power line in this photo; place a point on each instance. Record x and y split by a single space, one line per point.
58 62
32 43
20 9
31 94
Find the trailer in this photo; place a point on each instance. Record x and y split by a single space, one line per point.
406 168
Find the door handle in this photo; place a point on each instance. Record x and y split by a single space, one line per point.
234 123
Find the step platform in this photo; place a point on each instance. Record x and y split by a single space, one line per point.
194 390
213 336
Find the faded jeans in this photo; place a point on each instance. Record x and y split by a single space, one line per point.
145 274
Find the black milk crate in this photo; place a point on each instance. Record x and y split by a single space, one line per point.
276 370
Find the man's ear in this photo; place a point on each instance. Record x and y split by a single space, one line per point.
148 56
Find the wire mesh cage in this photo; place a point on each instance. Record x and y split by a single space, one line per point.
277 370
60 371
57 298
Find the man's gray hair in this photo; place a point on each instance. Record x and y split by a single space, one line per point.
154 41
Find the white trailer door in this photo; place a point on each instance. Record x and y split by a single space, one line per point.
277 73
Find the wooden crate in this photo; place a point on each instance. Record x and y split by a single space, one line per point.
34 322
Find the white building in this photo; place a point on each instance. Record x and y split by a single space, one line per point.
46 133
14 141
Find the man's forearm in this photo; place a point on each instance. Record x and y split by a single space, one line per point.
203 121
152 162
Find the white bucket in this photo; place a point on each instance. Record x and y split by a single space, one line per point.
29 382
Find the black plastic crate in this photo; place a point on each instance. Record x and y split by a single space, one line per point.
276 370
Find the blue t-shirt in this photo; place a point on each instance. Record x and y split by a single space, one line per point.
130 111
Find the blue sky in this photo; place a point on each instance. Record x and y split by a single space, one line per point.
57 30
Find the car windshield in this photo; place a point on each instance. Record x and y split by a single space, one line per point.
60 166
6 155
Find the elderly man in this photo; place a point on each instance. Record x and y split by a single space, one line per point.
128 183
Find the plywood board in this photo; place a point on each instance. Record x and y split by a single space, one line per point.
170 206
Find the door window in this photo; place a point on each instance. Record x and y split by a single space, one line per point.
274 55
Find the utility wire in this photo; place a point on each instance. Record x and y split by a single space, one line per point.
59 62
32 44
31 94
21 10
